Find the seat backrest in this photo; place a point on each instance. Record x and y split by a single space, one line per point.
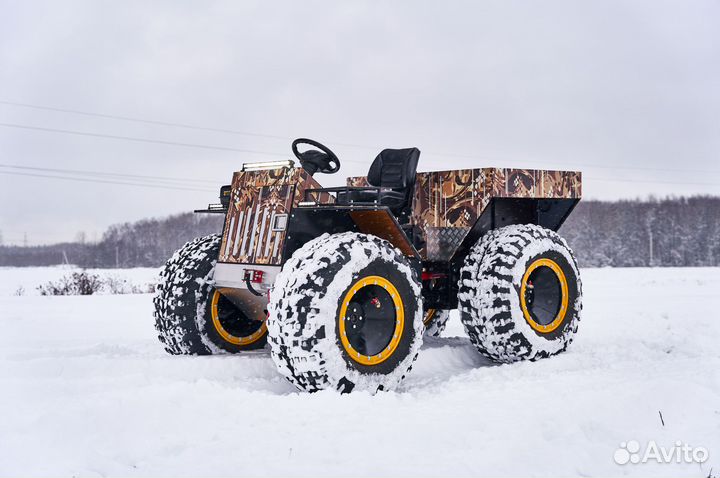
394 168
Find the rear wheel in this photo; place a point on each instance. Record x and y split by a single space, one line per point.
231 329
191 316
520 295
344 315
435 322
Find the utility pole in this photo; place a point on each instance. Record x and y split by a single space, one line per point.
25 239
649 220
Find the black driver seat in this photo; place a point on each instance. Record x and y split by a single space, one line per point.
394 171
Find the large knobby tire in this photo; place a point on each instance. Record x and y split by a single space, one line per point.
435 322
335 305
520 295
187 306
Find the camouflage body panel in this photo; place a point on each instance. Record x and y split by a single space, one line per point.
535 183
357 182
256 201
446 204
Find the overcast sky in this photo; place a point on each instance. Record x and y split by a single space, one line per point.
626 91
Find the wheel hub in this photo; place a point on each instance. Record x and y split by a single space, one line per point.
355 316
371 320
544 295
232 324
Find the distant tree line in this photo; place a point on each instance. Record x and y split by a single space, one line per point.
145 243
653 232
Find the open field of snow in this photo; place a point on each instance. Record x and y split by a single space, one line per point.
86 390
26 280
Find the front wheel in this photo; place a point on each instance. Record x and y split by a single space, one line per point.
520 295
345 314
435 322
191 316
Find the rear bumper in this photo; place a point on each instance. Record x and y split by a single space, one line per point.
231 275
229 280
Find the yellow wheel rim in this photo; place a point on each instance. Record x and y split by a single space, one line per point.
227 336
558 320
429 315
387 352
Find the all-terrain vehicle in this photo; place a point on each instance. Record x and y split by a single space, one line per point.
342 283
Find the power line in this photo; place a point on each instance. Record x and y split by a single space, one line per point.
107 174
203 146
576 165
88 180
154 141
177 187
272 136
140 140
269 153
590 178
167 123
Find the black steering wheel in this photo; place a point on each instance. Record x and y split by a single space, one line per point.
313 161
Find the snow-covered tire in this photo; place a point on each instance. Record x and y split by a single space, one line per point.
322 282
495 308
435 322
183 302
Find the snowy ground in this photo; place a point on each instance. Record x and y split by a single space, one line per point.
86 390
26 280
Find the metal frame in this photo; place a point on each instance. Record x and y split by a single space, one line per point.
212 209
346 189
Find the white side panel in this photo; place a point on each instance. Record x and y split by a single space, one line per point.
232 275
